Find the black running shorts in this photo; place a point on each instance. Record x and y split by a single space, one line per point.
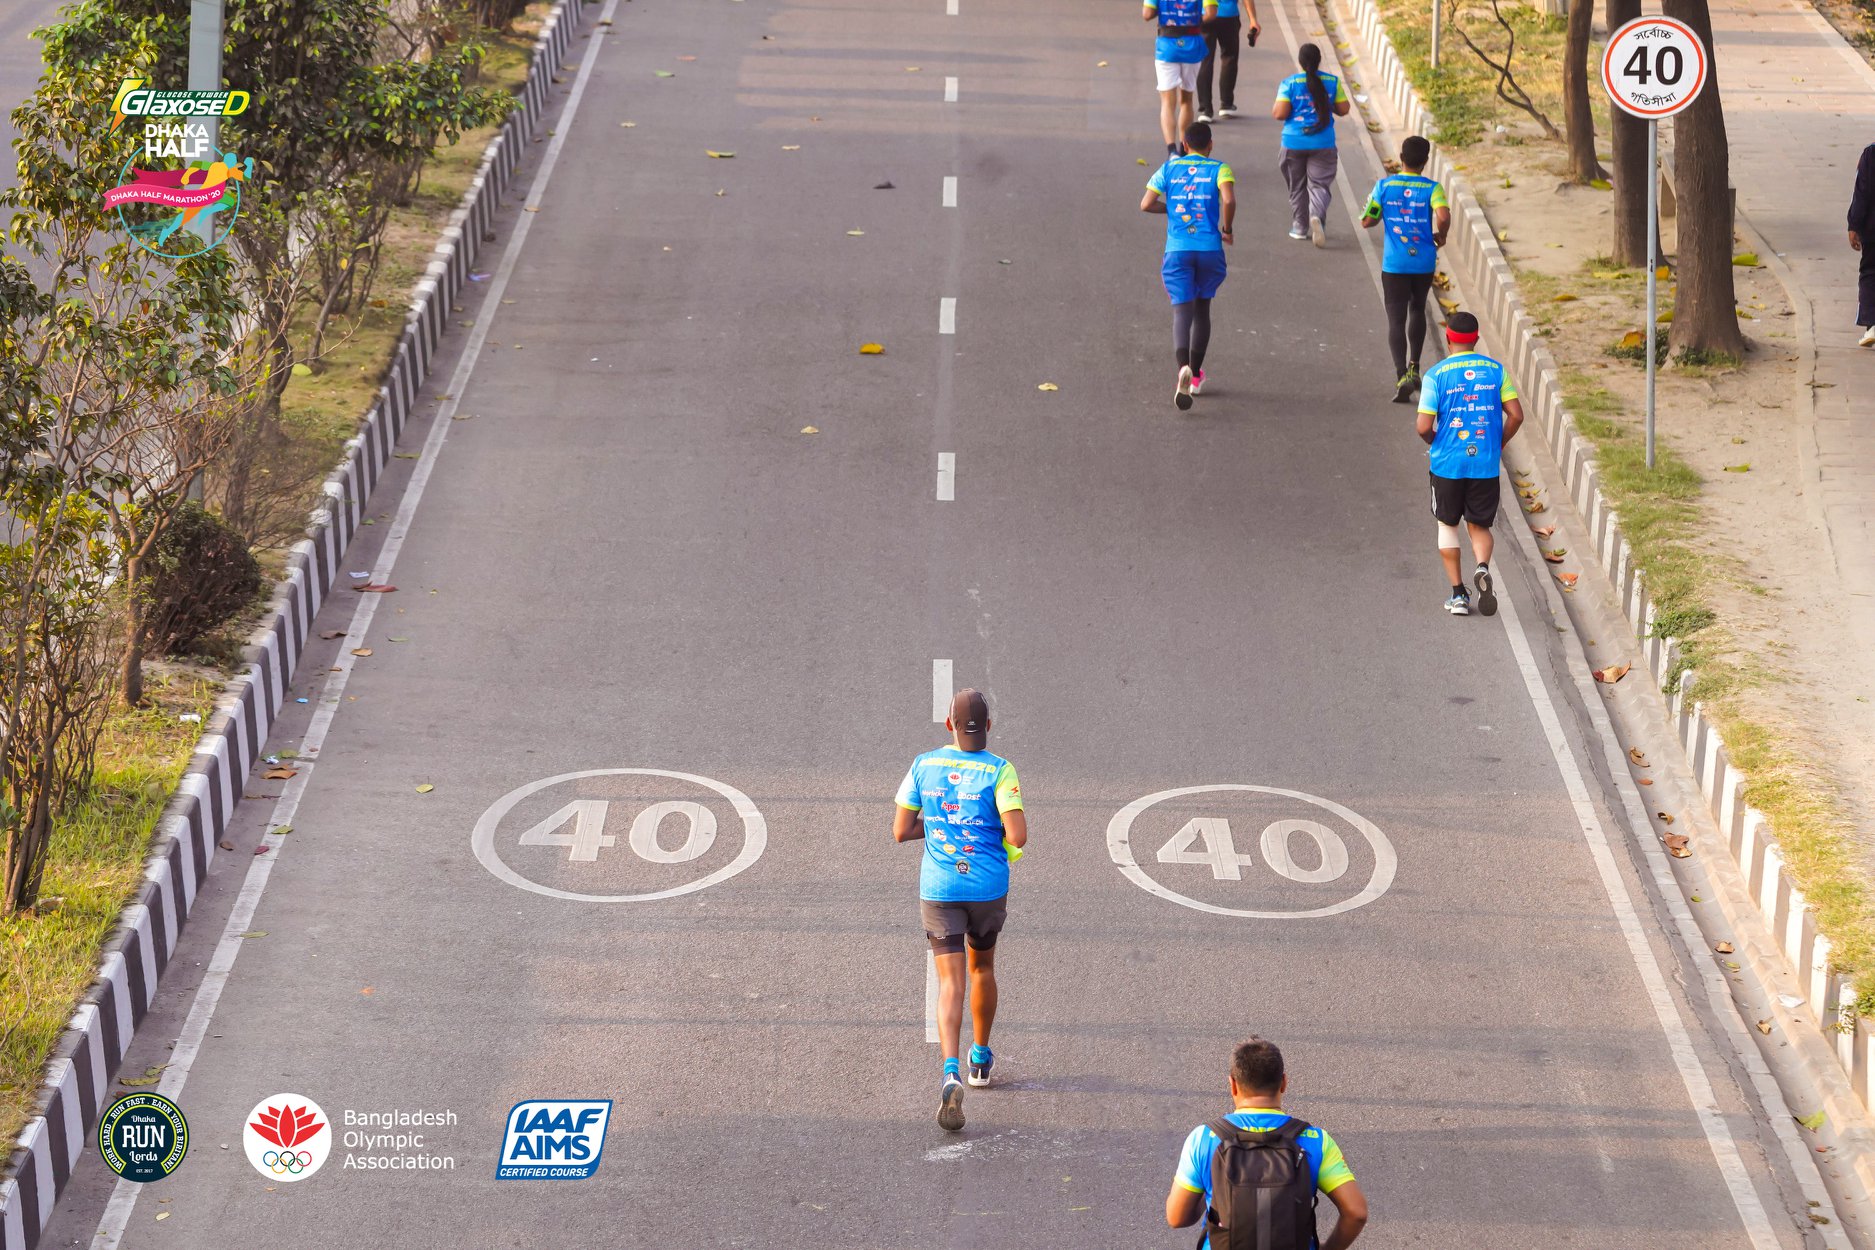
947 924
1472 498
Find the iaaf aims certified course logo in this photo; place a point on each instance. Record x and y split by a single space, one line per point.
178 178
287 1137
553 1139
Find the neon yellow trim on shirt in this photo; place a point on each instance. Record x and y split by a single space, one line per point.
1438 196
1224 174
1008 789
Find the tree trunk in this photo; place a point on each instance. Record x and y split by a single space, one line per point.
1705 305
132 677
1630 174
1578 119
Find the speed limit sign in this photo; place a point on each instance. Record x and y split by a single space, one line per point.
1654 67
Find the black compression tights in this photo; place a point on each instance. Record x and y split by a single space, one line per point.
1405 297
1191 332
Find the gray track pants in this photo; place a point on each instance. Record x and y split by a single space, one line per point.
1310 174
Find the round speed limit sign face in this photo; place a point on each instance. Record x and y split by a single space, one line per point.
1654 67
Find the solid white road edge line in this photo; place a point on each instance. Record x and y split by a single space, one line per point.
1751 1212
950 190
950 8
947 475
950 91
947 315
940 690
240 920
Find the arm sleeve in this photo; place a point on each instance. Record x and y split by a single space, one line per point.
1156 183
1372 208
1225 174
1335 1170
1508 390
908 790
1862 202
1438 196
1429 394
1008 789
1194 1161
1341 90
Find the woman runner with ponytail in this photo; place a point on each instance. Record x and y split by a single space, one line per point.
1307 105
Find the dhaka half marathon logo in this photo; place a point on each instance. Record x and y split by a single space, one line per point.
179 178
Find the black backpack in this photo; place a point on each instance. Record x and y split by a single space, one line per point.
1262 1193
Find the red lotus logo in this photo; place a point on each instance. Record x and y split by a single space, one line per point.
287 1126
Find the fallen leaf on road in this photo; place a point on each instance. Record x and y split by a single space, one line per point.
1568 580
715 155
1724 948
913 69
408 455
885 186
261 850
162 1215
1601 184
1543 531
1566 298
1612 674
1813 1121
1535 507
1747 259
663 73
366 991
1449 306
790 147
225 845
1639 757
686 58
1764 1026
1142 160
331 633
399 640
1738 468
1442 280
629 125
1632 339
1676 846
425 788
855 234
1646 781
280 774
720 193
375 588
255 933
1100 65
361 650
1663 818
1556 555
872 349
1048 386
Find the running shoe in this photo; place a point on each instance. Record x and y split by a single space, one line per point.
1226 111
1181 397
1204 116
1403 391
1459 604
1317 235
1487 598
1297 232
951 1104
1867 339
981 1061
1197 382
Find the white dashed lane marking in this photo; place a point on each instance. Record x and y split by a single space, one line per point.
947 475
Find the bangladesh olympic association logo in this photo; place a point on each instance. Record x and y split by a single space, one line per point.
143 1137
179 179
287 1137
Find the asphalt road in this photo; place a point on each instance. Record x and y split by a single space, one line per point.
630 556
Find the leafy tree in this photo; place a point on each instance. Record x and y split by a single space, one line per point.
1578 115
1628 134
1705 305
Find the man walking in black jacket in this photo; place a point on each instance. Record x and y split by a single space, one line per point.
1862 239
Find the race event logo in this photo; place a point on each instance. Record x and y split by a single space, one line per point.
553 1139
143 1137
287 1137
178 179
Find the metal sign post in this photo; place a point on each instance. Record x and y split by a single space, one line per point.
1654 67
1437 5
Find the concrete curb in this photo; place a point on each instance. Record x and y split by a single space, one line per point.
76 1089
1479 265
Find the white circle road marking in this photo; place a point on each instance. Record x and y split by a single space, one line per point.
754 834
1119 846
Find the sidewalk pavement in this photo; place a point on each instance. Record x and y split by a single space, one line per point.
1799 109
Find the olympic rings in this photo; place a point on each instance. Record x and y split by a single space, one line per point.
286 1162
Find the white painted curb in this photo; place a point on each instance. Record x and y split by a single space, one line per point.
1479 265
77 1082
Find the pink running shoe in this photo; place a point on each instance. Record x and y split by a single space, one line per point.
1197 382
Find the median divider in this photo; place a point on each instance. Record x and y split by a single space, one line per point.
77 1085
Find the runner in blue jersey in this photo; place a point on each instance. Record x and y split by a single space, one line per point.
1198 196
1221 53
1413 216
1307 105
966 805
1175 60
1468 410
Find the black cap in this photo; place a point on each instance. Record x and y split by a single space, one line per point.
1461 325
970 713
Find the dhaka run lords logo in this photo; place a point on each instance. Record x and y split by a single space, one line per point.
143 1137
287 1137
178 178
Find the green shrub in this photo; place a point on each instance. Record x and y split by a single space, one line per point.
200 577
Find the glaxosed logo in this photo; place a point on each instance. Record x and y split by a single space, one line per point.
553 1139
183 178
287 1137
143 1137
